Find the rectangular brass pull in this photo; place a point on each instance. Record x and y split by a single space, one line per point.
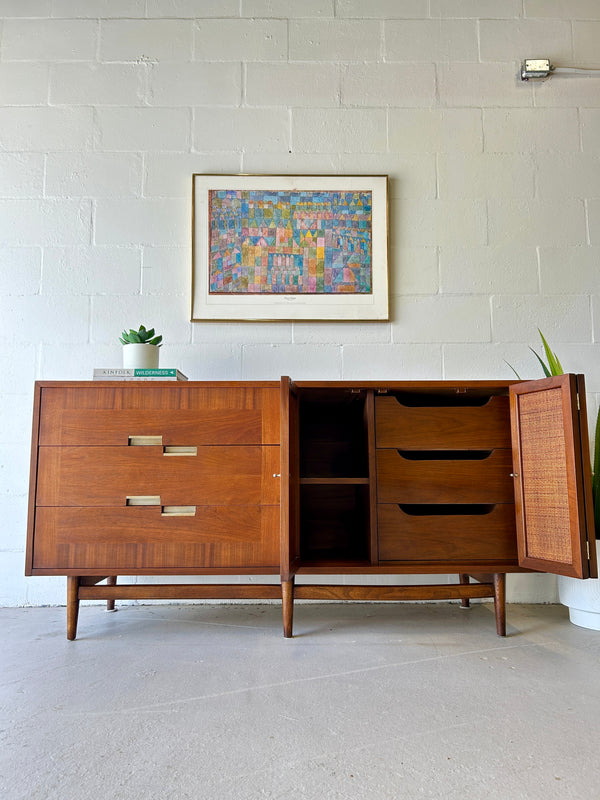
180 450
143 500
178 511
144 441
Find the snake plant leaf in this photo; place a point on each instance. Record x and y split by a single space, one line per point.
553 362
541 360
513 369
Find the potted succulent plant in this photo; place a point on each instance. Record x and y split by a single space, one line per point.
581 597
140 348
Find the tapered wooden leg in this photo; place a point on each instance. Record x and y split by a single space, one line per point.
111 581
465 580
500 602
72 605
287 597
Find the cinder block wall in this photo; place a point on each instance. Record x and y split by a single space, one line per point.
109 106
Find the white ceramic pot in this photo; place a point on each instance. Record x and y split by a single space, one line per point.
582 599
140 356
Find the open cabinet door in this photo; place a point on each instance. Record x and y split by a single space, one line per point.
553 488
290 483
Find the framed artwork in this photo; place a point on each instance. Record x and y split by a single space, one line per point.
288 247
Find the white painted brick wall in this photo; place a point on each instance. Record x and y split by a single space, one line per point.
388 85
49 40
146 40
23 84
93 174
107 108
21 174
97 84
201 84
143 129
431 40
44 129
335 40
435 131
346 130
585 43
241 40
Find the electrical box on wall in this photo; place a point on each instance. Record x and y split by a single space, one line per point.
535 68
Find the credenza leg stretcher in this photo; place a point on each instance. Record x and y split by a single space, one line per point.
86 588
487 585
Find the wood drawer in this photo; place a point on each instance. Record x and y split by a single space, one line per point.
406 479
181 415
138 539
463 537
106 476
456 427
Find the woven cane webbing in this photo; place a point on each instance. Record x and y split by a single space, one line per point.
544 476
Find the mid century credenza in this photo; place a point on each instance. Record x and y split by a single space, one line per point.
472 478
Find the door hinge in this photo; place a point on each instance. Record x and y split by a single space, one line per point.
578 403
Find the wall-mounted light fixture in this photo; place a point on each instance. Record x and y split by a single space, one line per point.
542 68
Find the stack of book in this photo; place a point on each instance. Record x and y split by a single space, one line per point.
125 374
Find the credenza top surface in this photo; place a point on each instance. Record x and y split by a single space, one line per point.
46 384
405 385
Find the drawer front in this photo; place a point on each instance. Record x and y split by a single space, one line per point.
138 539
402 479
483 427
107 476
447 537
180 415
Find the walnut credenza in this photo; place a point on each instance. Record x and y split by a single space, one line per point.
474 478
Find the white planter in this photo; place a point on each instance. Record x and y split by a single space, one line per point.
582 599
140 356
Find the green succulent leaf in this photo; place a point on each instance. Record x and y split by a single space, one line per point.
141 336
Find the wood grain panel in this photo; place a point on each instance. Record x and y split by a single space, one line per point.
106 476
135 539
188 415
404 480
483 427
447 537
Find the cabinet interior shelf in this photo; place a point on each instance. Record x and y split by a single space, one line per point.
334 481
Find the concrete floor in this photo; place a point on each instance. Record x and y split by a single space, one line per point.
366 701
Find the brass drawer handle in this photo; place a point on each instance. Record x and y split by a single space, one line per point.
178 511
144 441
142 500
180 450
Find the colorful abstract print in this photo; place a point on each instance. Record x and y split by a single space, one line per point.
290 242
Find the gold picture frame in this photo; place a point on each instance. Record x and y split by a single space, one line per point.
289 247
